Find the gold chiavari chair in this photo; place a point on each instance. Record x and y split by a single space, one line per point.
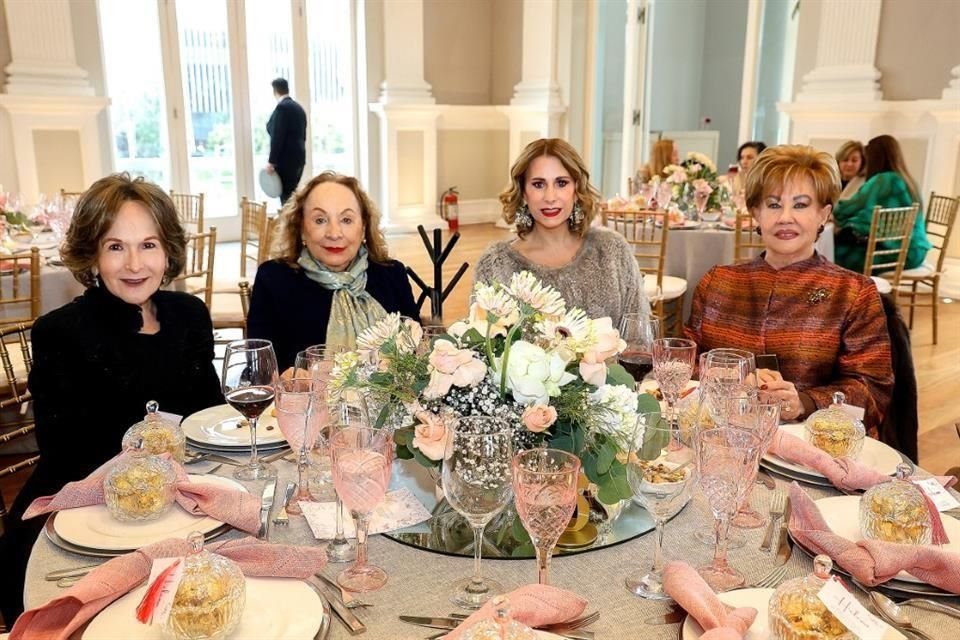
924 280
747 243
189 208
20 287
197 276
17 423
64 194
887 245
253 233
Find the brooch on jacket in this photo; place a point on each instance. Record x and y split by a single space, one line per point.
817 296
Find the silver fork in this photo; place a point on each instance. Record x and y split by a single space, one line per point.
777 506
772 579
345 596
283 518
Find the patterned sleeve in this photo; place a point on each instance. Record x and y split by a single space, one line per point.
864 367
693 330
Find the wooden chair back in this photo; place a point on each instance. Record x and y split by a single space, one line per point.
941 216
245 298
253 229
20 287
889 240
747 242
197 275
647 232
189 207
15 346
70 194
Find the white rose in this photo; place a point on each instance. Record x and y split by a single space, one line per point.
534 375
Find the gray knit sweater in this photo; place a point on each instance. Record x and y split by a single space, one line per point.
602 279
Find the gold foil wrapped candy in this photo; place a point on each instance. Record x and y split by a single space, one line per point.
139 486
796 613
835 431
896 511
158 434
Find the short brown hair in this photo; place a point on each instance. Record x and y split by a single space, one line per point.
95 213
849 147
512 197
289 239
779 165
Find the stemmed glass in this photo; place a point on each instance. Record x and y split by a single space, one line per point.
545 494
476 479
301 413
361 474
249 376
673 360
727 459
661 473
763 419
664 196
638 330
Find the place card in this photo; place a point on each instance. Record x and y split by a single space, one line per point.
164 581
399 510
941 498
850 612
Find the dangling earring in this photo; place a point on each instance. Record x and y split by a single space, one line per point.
820 229
757 230
576 216
522 218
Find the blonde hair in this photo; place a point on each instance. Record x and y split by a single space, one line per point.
660 156
97 210
587 195
289 238
782 164
849 147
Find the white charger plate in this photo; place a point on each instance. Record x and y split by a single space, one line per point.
842 515
759 599
93 527
276 609
223 426
874 454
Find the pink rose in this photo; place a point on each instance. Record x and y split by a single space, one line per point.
430 436
607 343
539 417
451 366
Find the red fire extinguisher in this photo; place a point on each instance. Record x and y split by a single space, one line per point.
451 209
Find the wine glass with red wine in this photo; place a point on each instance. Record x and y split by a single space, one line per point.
638 330
249 376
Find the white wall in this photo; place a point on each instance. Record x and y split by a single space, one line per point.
8 168
506 45
86 38
723 73
457 41
678 35
919 43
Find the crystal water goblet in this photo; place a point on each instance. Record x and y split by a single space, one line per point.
301 414
673 360
763 419
361 473
545 494
476 478
249 376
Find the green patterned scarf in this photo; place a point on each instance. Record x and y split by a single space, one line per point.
353 309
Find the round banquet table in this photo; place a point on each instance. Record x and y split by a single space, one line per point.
693 252
57 284
419 581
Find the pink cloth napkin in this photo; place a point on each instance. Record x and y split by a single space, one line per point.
872 562
235 507
534 605
60 617
684 584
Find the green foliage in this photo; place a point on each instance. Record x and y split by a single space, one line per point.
616 374
646 403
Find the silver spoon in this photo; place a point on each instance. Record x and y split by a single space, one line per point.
883 601
892 613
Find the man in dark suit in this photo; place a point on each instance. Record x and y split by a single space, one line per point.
287 128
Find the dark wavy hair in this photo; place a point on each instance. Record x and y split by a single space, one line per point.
96 211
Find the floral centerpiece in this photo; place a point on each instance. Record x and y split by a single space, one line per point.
697 175
522 356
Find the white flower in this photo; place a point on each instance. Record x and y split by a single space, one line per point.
493 301
571 330
405 334
618 417
343 375
675 174
527 288
533 374
702 159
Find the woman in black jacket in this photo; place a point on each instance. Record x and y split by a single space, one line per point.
332 277
100 358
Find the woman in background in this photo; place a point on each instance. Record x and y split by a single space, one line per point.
746 155
664 152
853 167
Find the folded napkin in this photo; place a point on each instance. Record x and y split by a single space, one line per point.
60 617
684 584
872 562
235 507
535 605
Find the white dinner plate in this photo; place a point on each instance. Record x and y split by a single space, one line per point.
842 515
94 528
223 426
874 454
759 599
276 609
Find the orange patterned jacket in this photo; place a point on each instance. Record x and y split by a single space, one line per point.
824 323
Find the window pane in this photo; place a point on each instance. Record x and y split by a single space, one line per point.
331 84
205 56
135 81
269 56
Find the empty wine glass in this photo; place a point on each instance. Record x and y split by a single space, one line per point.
361 473
476 479
639 331
763 419
249 376
545 494
661 473
301 413
727 366
673 360
725 456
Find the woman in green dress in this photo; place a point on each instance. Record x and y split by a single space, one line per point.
889 184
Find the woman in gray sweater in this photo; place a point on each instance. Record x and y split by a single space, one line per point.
551 202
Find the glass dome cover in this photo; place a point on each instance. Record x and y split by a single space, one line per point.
501 627
835 431
896 511
159 434
796 613
140 486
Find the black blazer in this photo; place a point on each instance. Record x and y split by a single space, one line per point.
287 127
292 311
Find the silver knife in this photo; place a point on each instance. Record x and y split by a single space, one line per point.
273 457
266 502
53 576
352 622
783 545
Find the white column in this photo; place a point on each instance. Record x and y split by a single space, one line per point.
43 58
952 90
846 53
748 87
403 54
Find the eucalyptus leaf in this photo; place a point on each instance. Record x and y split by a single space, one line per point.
646 403
654 442
403 453
605 456
616 374
525 550
519 532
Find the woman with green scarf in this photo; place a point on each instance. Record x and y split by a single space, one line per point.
331 277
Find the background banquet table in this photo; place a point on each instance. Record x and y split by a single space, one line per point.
57 284
419 581
693 252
